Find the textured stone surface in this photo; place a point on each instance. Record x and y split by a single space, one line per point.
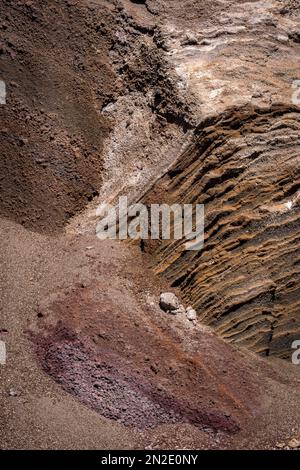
191 314
244 166
168 301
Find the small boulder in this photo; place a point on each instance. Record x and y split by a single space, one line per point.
191 314
168 302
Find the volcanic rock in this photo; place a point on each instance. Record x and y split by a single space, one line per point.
191 314
168 302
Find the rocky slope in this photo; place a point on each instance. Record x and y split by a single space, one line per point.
54 63
163 104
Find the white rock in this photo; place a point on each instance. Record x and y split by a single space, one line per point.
180 310
191 314
282 38
168 302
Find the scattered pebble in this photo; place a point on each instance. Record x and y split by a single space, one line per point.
282 38
294 443
191 314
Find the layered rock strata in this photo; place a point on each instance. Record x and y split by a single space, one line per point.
244 167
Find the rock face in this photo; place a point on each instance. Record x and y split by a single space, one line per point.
244 166
75 74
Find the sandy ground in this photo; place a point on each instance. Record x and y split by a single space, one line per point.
42 277
41 415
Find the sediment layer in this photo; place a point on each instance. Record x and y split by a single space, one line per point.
244 167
